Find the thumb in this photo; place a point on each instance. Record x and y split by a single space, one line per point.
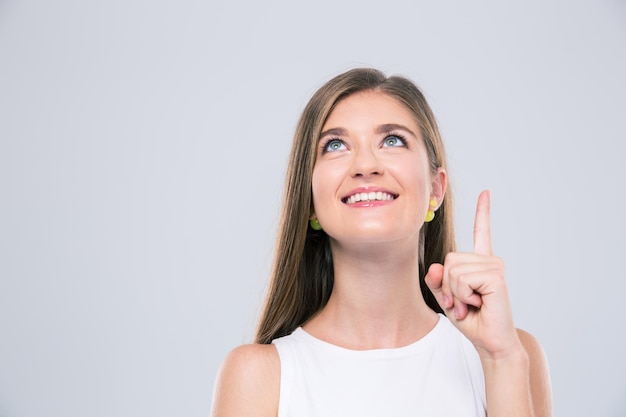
434 281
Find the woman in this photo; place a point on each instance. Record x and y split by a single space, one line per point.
370 310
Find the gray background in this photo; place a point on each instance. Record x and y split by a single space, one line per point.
142 152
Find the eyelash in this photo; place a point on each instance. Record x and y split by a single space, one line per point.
326 142
397 135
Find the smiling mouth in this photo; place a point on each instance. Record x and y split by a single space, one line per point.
371 196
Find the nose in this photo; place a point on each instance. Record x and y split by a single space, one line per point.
366 163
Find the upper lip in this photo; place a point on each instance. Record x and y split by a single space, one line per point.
359 190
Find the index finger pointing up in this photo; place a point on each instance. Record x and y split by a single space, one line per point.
482 225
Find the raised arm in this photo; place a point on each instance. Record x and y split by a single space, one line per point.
540 390
471 288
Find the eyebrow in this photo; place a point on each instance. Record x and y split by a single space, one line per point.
336 131
386 128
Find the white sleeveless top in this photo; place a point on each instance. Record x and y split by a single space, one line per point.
439 375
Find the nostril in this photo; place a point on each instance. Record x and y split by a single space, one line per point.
365 162
361 174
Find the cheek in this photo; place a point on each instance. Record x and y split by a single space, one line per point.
412 174
318 188
416 182
325 184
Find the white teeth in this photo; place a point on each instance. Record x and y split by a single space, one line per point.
372 196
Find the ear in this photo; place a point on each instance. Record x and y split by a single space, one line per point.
439 185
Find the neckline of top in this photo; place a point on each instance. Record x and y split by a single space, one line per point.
423 343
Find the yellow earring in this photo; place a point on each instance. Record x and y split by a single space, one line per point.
315 224
430 214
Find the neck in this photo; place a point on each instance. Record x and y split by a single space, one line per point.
376 300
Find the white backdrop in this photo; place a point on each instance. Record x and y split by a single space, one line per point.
142 152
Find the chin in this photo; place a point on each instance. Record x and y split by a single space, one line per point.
373 235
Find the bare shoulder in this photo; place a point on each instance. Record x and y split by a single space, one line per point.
248 382
539 374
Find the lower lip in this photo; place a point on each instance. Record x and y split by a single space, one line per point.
366 204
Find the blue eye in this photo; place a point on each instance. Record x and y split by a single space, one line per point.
334 145
394 141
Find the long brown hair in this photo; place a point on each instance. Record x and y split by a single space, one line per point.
302 275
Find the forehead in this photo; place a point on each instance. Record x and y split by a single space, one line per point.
370 108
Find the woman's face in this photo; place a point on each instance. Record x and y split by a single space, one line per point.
371 180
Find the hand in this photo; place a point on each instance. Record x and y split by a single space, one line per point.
471 289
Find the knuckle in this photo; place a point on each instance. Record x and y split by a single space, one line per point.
501 264
453 271
462 280
499 261
464 289
450 258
